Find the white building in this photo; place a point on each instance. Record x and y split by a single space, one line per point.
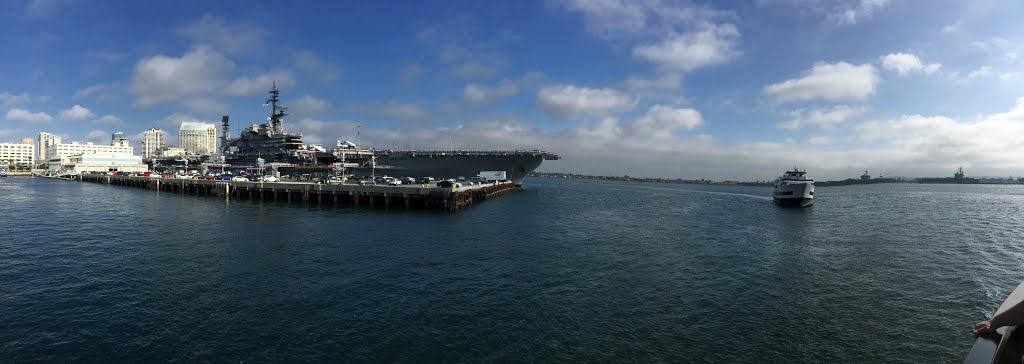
172 152
57 151
198 137
152 141
99 162
45 141
17 154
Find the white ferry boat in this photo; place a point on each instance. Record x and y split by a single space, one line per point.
794 189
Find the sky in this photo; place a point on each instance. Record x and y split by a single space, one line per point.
724 90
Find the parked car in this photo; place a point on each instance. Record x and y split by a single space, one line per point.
409 180
269 178
449 184
239 179
366 181
391 181
426 180
252 178
334 180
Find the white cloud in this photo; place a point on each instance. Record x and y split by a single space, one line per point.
666 81
197 79
626 19
688 51
662 121
214 31
952 28
312 64
478 93
568 101
907 63
91 90
825 118
160 78
75 113
27 116
261 83
981 72
410 74
856 12
98 137
8 99
307 105
829 81
110 119
820 140
43 8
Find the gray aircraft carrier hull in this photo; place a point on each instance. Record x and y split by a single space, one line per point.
454 164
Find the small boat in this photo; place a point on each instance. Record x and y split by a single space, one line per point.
794 189
3 173
1006 345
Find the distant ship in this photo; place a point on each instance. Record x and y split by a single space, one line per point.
794 189
268 144
958 178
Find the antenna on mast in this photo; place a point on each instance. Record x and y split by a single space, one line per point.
277 113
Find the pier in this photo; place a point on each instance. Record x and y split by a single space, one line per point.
404 196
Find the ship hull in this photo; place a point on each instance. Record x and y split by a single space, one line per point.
794 202
452 165
794 195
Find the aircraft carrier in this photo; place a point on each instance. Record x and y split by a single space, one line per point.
445 163
958 178
269 145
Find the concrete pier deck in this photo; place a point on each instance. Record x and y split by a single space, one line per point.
407 196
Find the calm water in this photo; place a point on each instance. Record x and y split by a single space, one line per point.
561 271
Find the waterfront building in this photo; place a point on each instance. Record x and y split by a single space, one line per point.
20 154
172 152
45 141
152 141
102 162
28 141
198 137
58 150
119 140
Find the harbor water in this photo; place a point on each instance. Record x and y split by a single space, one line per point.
561 271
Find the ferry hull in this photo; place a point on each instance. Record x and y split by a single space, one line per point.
794 202
794 194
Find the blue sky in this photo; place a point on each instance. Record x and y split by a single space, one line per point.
722 90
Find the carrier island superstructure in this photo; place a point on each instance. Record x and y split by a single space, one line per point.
261 145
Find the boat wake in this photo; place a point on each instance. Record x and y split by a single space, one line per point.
756 197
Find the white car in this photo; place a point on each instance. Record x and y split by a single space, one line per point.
394 182
269 178
239 179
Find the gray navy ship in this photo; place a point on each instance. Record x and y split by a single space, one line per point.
958 178
269 144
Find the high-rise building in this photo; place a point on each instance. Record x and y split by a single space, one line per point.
152 141
118 140
28 141
198 137
17 154
45 141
